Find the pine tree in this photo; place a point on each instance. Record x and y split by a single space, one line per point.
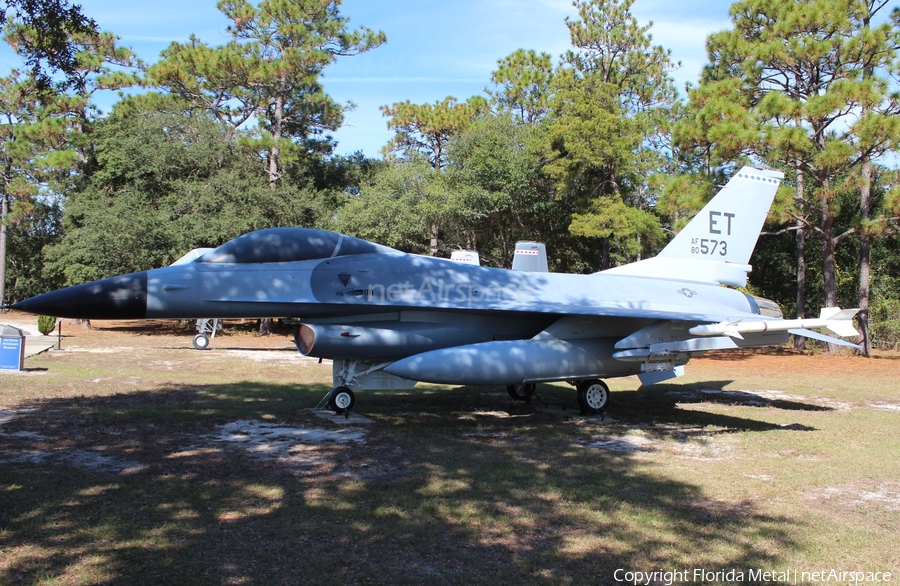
269 71
809 86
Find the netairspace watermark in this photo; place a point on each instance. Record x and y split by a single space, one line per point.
442 292
757 576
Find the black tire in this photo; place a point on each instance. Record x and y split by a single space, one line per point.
521 392
201 342
341 400
593 396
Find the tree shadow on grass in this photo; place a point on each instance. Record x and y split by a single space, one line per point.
715 392
662 403
428 494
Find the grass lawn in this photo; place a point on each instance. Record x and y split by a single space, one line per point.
131 458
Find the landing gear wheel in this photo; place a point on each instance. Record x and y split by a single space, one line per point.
341 400
521 392
593 396
201 342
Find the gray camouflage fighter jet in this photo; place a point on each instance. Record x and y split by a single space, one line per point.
389 319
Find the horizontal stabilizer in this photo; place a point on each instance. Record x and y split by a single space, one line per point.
824 338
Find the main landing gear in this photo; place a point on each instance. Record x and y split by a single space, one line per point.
593 396
521 392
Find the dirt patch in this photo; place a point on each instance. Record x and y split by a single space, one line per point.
287 444
291 356
687 445
885 496
763 398
626 444
882 406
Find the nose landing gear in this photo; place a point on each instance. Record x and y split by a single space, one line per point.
341 401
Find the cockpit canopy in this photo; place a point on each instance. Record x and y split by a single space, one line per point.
289 245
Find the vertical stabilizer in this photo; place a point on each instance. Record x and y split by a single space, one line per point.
717 243
727 228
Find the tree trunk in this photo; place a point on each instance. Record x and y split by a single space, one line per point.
800 341
265 325
433 246
865 212
275 151
4 216
3 255
829 274
865 248
4 212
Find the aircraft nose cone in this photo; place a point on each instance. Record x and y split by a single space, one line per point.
123 297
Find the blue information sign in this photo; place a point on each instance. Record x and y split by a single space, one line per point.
12 348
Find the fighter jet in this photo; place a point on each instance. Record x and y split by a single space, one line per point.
390 319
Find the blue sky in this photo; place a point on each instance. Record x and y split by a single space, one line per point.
434 49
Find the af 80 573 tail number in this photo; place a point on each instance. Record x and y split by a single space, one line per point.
708 246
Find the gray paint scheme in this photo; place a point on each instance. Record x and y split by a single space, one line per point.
376 310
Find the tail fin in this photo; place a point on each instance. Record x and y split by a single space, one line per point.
717 243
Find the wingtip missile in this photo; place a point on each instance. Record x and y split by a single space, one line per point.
833 320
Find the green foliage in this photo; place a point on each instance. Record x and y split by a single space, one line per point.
592 137
614 47
33 152
400 206
45 138
609 112
496 162
805 85
884 328
161 183
491 193
49 49
26 240
269 70
635 230
524 85
428 128
46 324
